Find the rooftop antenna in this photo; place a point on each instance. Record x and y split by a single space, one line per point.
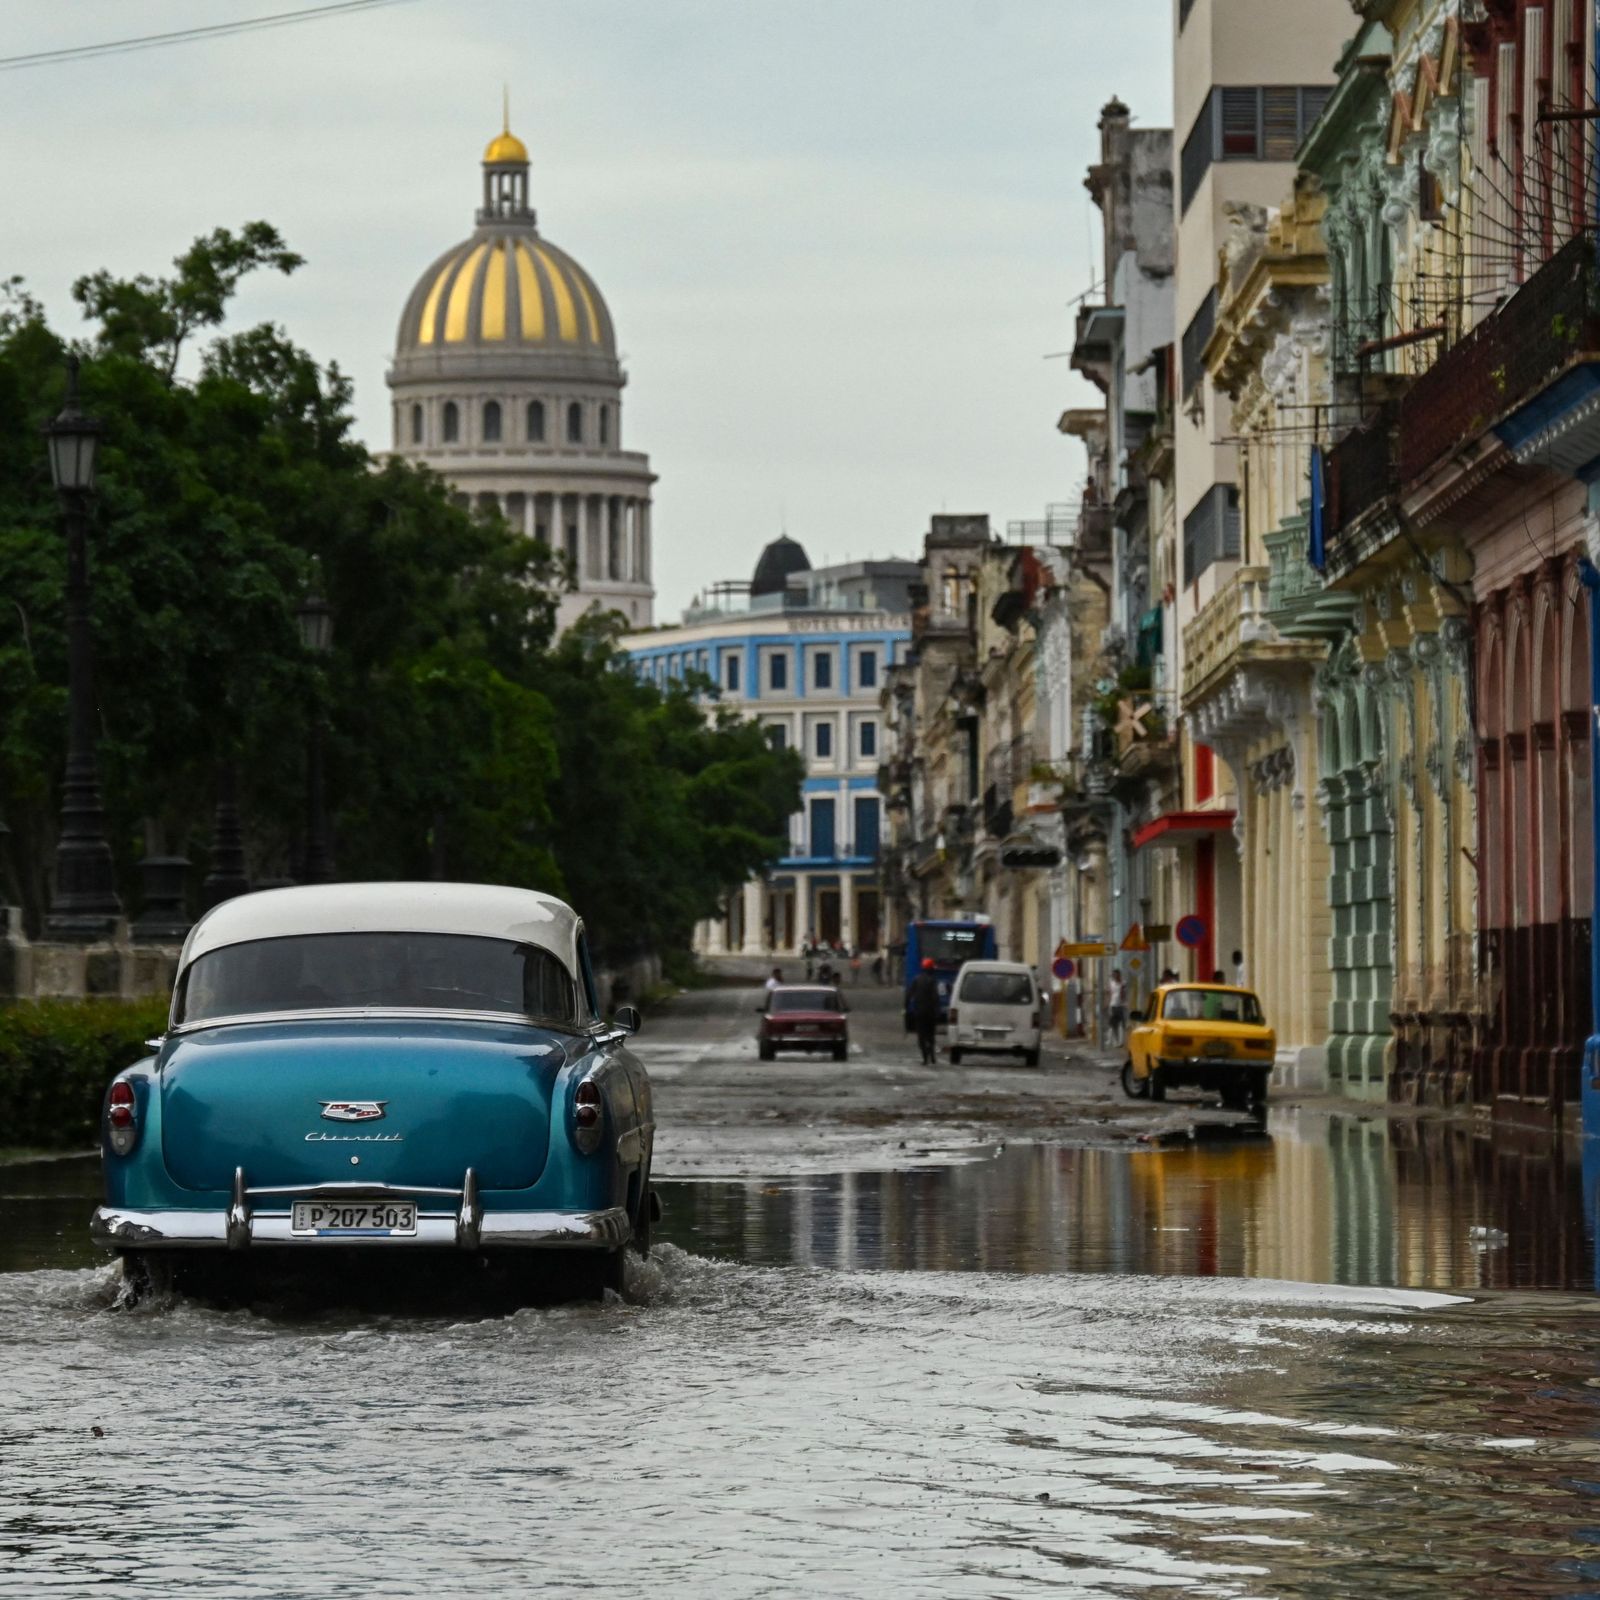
505 108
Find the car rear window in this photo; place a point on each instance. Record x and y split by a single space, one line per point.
340 971
1211 1005
997 989
805 1000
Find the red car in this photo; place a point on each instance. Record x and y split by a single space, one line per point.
803 1018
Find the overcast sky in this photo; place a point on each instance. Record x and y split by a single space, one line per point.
838 237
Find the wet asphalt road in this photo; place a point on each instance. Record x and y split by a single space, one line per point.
948 1332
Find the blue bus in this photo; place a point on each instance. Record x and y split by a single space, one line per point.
947 944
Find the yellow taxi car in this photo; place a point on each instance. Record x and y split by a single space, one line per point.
1208 1036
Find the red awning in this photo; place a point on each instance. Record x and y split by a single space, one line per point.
1181 828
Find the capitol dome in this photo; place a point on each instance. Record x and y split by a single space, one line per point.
506 382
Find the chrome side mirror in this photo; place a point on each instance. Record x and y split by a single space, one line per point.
627 1018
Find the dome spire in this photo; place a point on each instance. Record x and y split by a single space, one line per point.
505 172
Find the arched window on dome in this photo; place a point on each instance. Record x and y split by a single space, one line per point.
536 422
491 422
452 422
605 424
574 423
416 424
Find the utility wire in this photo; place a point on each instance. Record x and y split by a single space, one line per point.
216 30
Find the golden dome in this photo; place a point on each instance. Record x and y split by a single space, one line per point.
505 149
502 288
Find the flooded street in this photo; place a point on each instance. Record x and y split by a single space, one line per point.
1345 1355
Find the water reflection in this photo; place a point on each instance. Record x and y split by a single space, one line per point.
1318 1198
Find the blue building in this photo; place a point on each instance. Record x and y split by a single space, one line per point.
803 650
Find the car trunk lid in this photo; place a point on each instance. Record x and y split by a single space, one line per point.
381 1100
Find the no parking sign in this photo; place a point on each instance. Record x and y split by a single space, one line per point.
1063 966
1190 931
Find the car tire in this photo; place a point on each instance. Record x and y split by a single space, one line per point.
1134 1088
1030 1058
1158 1088
765 1051
955 1056
841 1052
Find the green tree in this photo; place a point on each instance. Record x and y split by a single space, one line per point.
462 741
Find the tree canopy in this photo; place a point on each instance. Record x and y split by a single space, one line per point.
464 739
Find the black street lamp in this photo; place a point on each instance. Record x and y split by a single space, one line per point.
315 617
84 905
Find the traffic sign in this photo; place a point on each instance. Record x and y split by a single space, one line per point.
1063 967
1135 963
1084 951
1134 939
1157 932
1191 931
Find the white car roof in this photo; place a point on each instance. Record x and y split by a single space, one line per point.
491 911
995 966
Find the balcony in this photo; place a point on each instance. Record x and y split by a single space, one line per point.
1513 354
1361 473
1300 605
1236 630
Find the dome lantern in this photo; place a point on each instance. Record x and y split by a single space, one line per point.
505 177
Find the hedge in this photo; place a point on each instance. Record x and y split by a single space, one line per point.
56 1058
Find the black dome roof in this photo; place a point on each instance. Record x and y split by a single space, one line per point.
779 562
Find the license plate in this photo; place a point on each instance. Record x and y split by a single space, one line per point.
807 1027
1217 1047
357 1218
994 1029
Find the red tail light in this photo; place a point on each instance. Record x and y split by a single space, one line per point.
586 1114
122 1117
954 1016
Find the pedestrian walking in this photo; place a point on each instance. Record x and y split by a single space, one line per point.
922 1001
775 979
1117 1016
855 966
877 969
809 953
1238 969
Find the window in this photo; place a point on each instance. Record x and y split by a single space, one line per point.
869 739
777 736
996 989
491 422
1211 531
824 741
574 423
805 1000
416 424
822 838
452 422
867 812
866 669
822 670
1195 336
730 673
1247 124
778 671
425 971
1211 1005
536 422
605 424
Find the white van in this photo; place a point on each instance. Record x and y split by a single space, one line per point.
996 1006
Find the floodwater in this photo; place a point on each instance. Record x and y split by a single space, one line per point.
1088 1372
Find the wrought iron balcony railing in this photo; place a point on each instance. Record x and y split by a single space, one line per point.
1506 360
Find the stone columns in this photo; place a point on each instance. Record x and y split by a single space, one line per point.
755 932
848 883
643 574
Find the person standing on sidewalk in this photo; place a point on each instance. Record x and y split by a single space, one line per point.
922 1002
1117 1014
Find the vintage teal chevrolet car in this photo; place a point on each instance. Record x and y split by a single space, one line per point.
374 1067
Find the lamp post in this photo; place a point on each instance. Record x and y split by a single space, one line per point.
315 617
84 905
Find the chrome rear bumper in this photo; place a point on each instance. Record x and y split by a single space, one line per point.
464 1226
